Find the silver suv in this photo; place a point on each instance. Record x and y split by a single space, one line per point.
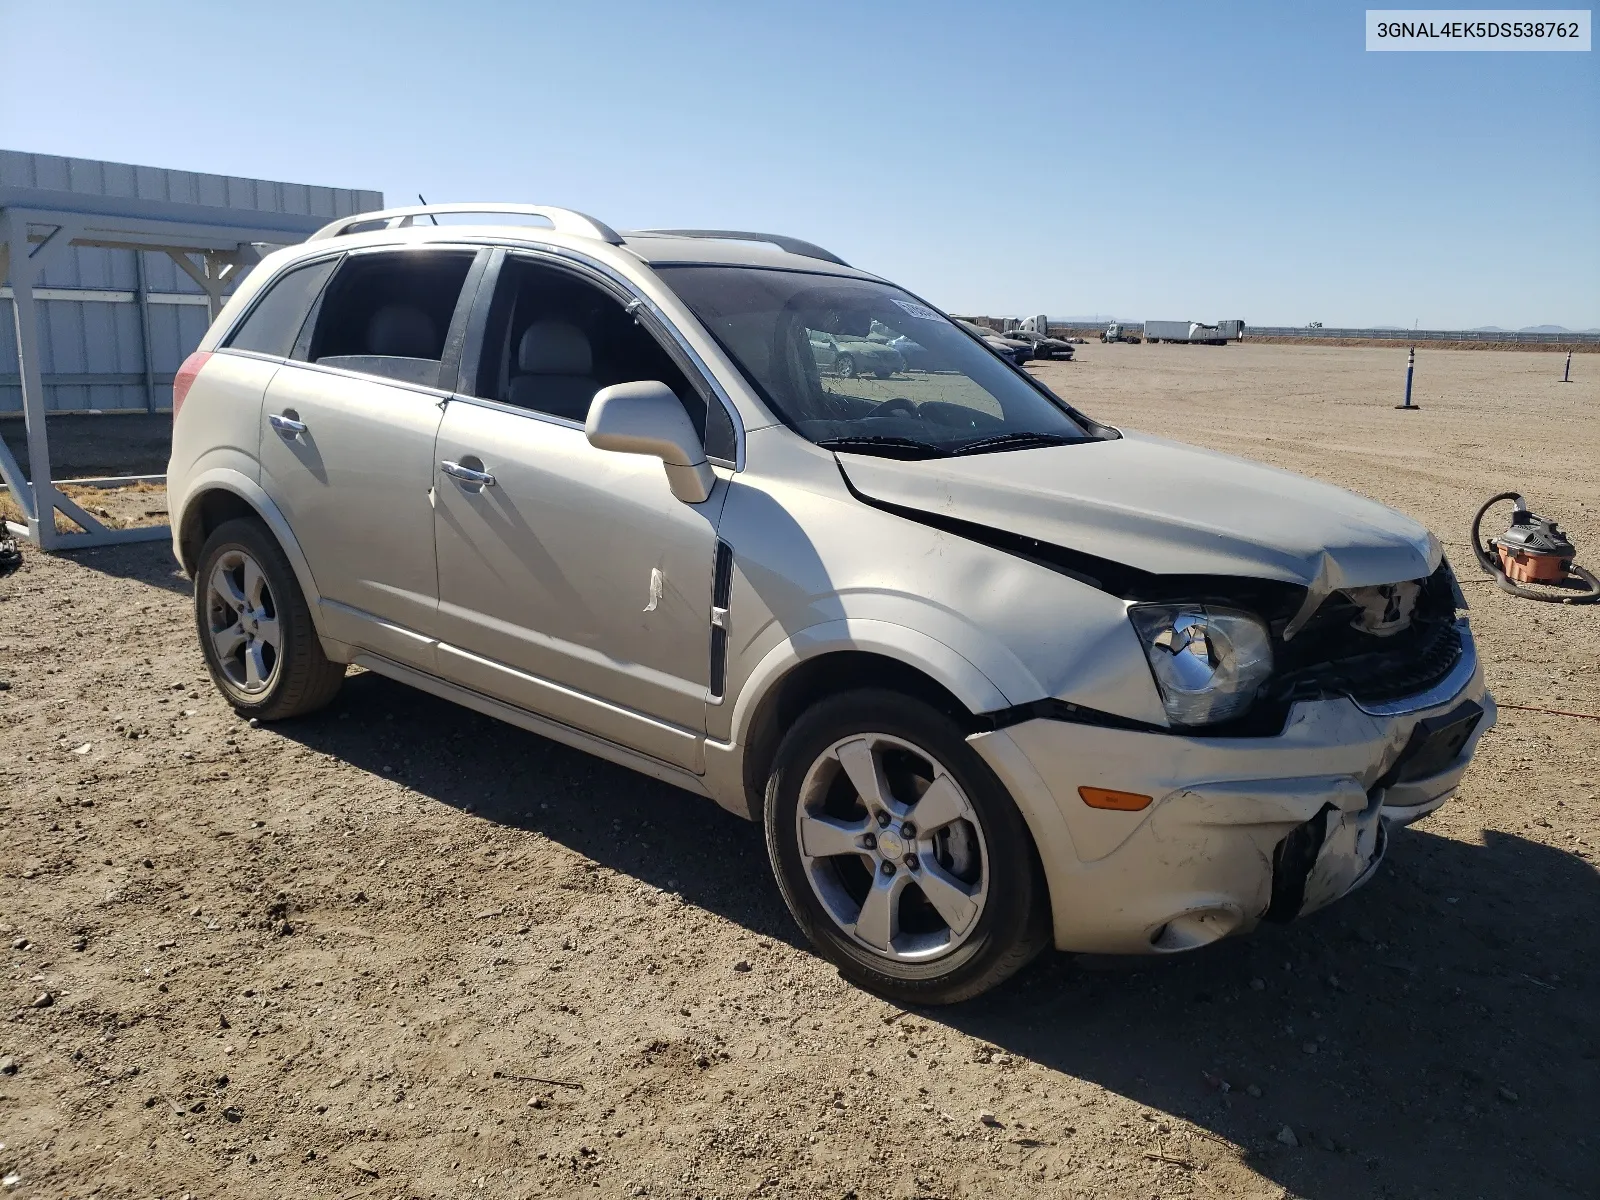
993 674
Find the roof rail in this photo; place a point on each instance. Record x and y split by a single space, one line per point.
563 220
792 245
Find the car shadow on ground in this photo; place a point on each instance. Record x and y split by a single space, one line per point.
150 563
524 781
1433 1034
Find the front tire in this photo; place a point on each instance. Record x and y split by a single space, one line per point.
255 628
899 852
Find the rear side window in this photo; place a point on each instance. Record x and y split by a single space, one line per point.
274 323
389 313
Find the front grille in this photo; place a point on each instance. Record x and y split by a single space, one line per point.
1332 657
1412 666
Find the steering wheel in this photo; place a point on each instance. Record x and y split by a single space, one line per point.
897 404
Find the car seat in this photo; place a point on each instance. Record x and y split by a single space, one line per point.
556 365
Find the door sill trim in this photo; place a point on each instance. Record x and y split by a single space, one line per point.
532 722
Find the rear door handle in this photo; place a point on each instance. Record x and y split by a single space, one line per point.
286 425
466 474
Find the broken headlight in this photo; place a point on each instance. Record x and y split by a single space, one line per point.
1208 662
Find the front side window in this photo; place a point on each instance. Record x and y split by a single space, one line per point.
274 321
553 339
388 313
858 365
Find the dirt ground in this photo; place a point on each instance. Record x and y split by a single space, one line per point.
400 950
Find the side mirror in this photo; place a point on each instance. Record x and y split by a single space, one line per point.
646 418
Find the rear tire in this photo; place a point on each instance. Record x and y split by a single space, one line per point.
845 367
255 628
964 906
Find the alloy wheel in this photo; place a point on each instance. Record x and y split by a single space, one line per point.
242 621
892 848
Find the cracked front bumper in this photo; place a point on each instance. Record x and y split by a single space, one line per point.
1240 829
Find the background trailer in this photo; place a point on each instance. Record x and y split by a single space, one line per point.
112 273
1195 332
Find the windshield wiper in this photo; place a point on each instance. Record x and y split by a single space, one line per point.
897 447
1020 440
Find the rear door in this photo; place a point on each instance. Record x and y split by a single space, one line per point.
347 440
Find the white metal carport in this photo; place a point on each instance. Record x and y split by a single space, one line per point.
213 245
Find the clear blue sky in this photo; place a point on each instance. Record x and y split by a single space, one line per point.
1160 160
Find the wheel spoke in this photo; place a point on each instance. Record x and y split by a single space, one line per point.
823 837
940 804
254 583
866 773
255 668
227 641
267 631
879 921
955 904
226 590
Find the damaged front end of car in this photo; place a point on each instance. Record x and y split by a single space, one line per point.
1308 710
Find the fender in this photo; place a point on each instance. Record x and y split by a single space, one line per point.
228 479
724 760
910 646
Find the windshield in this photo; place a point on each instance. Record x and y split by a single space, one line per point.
857 365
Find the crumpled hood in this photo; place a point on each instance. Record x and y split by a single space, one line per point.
1165 508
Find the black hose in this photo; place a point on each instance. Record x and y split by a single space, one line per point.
1484 552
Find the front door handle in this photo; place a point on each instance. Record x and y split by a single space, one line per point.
466 474
286 424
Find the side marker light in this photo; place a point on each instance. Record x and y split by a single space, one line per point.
1120 801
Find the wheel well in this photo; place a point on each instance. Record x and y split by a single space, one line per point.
827 675
204 515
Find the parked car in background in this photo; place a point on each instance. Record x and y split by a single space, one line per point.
915 356
991 674
1005 347
1042 344
848 357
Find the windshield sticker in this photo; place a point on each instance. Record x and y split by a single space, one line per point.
918 310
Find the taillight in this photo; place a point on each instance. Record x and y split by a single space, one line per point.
184 379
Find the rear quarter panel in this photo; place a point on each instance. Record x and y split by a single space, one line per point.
219 425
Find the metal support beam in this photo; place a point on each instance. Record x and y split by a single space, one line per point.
205 275
23 269
142 289
43 499
9 470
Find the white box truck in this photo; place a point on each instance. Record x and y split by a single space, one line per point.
1194 332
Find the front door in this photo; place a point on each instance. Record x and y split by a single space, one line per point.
347 444
574 584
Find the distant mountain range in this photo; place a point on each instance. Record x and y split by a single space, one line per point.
1532 329
1497 329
